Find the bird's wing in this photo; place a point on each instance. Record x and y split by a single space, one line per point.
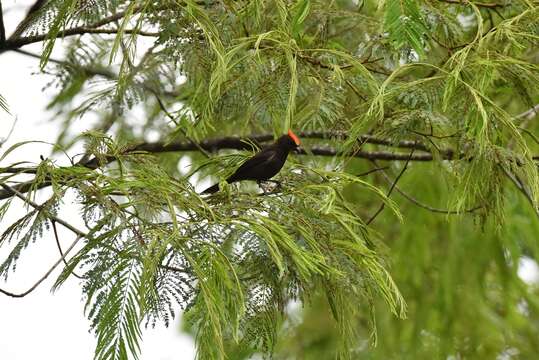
258 159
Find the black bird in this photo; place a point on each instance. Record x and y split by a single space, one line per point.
264 164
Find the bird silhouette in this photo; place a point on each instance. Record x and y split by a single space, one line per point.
263 165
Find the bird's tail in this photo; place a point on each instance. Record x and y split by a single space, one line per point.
211 189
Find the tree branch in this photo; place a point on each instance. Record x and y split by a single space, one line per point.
391 188
53 218
51 269
521 187
62 255
36 206
425 206
101 71
16 41
238 143
529 114
2 28
80 235
478 4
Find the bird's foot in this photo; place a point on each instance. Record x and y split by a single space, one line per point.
269 189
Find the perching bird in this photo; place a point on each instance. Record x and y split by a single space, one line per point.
264 164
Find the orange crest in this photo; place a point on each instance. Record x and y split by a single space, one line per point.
294 137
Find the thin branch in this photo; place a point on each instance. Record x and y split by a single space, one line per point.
425 206
522 188
169 115
530 113
237 143
62 255
15 41
51 269
391 188
316 62
99 71
18 170
372 171
86 30
41 208
478 4
6 138
80 234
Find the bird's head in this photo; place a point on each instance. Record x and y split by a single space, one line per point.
289 141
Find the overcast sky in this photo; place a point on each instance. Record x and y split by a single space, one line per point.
44 325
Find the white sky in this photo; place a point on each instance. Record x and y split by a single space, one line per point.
44 325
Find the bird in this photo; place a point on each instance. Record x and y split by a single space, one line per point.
265 164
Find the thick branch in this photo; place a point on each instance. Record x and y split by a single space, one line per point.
237 143
35 7
16 43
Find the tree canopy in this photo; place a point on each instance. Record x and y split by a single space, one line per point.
394 232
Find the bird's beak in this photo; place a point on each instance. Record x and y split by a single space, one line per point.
294 137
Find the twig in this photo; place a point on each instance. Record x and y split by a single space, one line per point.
37 283
98 71
521 187
4 139
530 113
19 42
479 4
169 115
80 234
15 41
372 171
428 207
391 188
40 208
60 248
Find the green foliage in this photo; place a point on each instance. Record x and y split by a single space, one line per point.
405 25
445 80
